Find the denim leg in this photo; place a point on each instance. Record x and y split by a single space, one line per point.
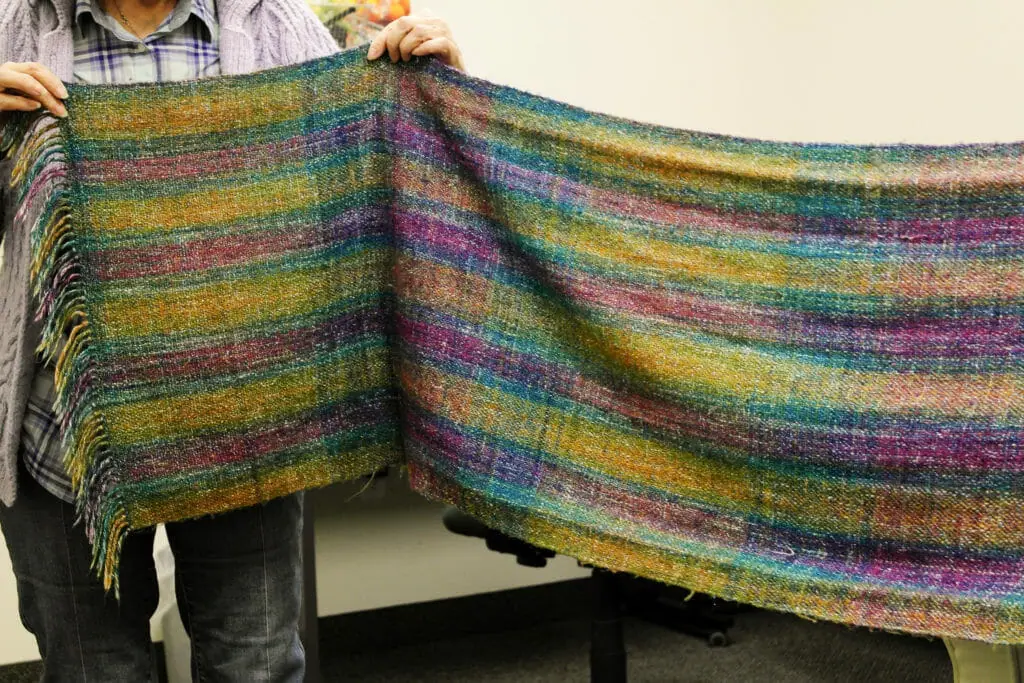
84 635
239 586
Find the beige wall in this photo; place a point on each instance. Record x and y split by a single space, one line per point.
931 71
16 645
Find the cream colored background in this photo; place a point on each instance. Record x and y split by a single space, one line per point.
932 71
928 71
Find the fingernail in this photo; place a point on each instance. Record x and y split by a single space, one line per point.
60 111
63 92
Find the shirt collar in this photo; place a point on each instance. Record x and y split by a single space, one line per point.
200 8
205 13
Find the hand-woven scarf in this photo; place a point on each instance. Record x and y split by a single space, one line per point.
785 374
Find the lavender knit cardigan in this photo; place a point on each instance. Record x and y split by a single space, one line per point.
255 35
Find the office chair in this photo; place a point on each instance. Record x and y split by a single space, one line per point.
615 596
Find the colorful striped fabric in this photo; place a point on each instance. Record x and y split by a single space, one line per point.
786 374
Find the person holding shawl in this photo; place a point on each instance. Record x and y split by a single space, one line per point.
866 184
238 575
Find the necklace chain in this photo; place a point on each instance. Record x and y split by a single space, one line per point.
124 19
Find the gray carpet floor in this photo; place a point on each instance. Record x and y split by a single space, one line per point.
541 634
766 648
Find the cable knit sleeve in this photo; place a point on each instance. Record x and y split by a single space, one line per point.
4 174
17 31
290 33
16 28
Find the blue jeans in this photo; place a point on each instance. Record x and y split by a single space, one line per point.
238 578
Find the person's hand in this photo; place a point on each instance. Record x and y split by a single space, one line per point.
417 35
29 86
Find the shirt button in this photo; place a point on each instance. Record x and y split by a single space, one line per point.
140 48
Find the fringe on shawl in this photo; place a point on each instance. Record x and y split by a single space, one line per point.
42 190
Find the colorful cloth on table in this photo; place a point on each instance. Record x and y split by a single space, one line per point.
183 47
786 374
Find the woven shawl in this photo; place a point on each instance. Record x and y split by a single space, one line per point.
785 374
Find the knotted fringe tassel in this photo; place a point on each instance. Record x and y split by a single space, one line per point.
42 194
